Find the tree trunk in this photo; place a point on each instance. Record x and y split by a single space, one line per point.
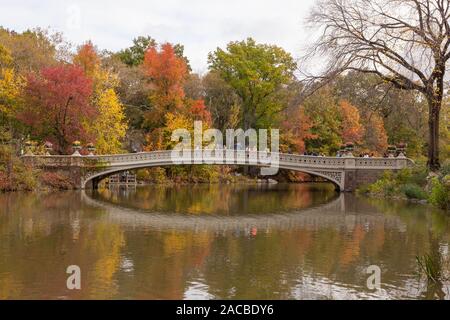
434 107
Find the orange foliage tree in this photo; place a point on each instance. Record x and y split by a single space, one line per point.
200 112
167 73
296 130
375 137
351 128
87 58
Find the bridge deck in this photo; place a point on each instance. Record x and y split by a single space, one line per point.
342 171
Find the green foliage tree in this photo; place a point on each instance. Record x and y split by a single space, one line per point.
324 112
222 101
134 55
258 73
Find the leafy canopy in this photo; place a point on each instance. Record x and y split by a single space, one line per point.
258 73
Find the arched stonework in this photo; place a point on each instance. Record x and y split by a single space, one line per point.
347 173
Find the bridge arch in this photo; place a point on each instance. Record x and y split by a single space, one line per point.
92 180
346 173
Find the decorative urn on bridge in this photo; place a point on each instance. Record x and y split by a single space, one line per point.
48 146
76 146
349 147
401 149
28 148
91 148
391 150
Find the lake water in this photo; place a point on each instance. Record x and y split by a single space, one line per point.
293 241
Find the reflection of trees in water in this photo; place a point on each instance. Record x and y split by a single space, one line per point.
434 225
220 199
42 234
327 244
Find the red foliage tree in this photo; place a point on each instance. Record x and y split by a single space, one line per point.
57 104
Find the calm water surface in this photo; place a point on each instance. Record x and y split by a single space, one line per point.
216 242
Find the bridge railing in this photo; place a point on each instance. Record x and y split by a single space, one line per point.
220 157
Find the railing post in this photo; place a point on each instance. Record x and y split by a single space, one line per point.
29 159
349 162
76 160
401 162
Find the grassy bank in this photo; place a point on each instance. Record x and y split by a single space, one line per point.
415 184
17 176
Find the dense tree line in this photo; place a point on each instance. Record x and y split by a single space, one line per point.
133 99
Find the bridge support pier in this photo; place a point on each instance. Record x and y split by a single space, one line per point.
92 184
355 178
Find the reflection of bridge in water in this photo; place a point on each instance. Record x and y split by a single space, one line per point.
334 214
347 173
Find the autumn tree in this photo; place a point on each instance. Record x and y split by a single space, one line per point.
351 128
323 111
109 127
135 55
404 112
167 74
258 73
88 59
405 43
11 85
375 137
34 49
57 105
199 111
222 101
296 130
133 89
193 87
10 88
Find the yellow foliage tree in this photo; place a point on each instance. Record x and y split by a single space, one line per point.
10 85
110 126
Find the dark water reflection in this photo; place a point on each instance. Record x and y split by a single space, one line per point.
229 242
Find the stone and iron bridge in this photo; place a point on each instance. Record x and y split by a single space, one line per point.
346 173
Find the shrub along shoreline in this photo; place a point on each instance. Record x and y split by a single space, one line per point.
414 184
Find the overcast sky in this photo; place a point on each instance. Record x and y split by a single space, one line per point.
200 25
